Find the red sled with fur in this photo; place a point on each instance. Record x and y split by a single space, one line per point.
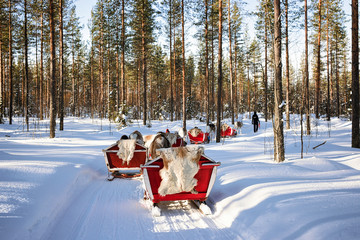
227 131
124 158
196 136
195 175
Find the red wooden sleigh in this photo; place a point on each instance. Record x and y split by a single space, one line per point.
229 132
119 168
206 177
200 138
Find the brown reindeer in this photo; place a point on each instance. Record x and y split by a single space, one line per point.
159 141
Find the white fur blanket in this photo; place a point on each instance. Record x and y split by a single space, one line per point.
224 127
126 149
180 166
195 132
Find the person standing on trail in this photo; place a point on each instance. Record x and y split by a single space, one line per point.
255 121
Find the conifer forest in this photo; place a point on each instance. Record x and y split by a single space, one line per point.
137 63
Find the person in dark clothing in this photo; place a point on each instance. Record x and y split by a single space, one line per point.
255 121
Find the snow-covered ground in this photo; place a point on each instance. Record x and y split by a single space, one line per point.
57 188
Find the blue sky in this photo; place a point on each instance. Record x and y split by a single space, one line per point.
83 11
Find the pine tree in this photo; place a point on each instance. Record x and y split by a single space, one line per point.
143 24
61 67
355 134
41 84
2 79
207 80
287 71
26 90
307 95
10 65
279 149
219 102
52 70
318 62
183 64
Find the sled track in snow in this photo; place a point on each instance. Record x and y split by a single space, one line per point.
98 210
184 218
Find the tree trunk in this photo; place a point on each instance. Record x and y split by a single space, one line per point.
207 66
123 85
307 95
61 67
26 107
317 79
248 85
10 66
327 63
337 77
175 80
41 84
92 87
73 85
218 116
117 76
231 71
355 138
279 150
143 43
236 79
212 63
170 63
287 66
183 64
36 70
101 67
346 89
52 70
138 80
266 65
108 84
1 80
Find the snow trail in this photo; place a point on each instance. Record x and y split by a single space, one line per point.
57 188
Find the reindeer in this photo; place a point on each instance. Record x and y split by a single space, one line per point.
154 142
238 125
137 136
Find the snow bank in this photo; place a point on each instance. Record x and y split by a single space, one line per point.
57 188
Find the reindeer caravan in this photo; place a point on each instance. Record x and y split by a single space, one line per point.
171 170
197 136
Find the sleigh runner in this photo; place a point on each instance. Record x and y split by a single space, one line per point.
196 187
124 165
